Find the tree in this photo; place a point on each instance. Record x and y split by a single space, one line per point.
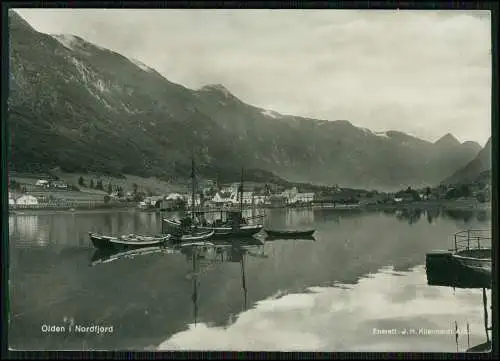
138 197
110 188
91 185
81 181
428 191
120 192
99 185
134 188
179 203
465 191
150 193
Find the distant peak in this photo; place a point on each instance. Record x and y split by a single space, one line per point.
448 139
488 143
217 87
471 144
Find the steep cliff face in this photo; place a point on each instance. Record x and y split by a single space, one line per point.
475 170
76 105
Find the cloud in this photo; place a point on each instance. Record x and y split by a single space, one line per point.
423 72
341 319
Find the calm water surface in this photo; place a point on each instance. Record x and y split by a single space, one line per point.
363 271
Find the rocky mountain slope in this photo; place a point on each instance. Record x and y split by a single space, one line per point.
476 170
81 107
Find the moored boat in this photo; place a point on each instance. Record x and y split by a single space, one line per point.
478 260
127 241
235 225
194 236
472 250
290 233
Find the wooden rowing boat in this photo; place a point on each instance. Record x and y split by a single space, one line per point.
127 241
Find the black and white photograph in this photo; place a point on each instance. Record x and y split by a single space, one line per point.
309 180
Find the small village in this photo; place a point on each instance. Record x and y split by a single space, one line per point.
47 193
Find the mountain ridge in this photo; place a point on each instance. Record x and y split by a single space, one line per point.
475 169
95 109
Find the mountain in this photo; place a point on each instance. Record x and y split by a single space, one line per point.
477 169
447 141
81 107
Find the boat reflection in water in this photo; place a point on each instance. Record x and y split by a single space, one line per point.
466 280
203 257
105 255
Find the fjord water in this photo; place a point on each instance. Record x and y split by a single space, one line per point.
363 273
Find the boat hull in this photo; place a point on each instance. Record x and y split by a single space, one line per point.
108 242
290 234
478 260
482 266
195 237
228 232
219 232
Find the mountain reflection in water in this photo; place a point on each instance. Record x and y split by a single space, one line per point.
363 271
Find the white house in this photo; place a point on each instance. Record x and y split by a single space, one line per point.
259 200
226 198
42 183
305 197
60 185
189 201
247 197
230 189
27 200
174 196
153 200
290 195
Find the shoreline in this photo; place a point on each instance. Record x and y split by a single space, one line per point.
446 205
50 210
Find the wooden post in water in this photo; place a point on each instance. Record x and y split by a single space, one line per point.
485 306
468 335
195 288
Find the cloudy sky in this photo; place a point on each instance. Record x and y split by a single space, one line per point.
422 72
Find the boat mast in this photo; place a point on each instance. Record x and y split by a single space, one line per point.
241 192
243 280
195 287
192 189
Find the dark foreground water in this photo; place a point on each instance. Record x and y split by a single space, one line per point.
361 278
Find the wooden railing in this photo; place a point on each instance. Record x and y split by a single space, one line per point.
472 239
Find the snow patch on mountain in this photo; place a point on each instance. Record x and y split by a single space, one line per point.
217 87
381 134
140 65
68 41
271 113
